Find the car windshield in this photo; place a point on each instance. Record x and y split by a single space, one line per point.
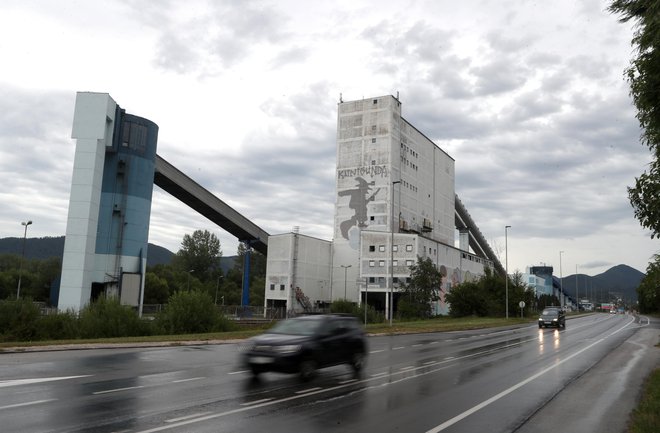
550 312
296 327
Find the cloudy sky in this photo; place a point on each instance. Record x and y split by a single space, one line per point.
527 96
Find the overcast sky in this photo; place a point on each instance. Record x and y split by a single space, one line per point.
528 97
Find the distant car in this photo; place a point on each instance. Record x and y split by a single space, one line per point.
304 344
552 316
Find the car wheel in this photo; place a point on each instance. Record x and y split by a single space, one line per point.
540 326
357 361
307 369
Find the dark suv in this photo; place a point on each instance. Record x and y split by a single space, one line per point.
303 344
552 316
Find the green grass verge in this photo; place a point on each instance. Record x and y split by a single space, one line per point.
433 325
646 418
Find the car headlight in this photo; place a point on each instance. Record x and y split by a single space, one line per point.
288 348
554 320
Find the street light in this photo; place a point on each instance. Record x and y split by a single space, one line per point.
506 269
561 283
394 182
345 273
217 286
20 268
189 272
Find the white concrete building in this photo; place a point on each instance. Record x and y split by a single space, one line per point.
395 201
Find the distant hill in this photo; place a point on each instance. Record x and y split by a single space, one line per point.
43 248
620 281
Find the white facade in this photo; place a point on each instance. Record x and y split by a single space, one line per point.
298 272
395 201
93 123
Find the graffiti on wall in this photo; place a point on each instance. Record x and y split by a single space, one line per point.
359 198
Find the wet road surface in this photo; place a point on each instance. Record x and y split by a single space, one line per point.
497 380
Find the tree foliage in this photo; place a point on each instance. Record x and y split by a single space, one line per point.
644 78
487 295
199 254
424 287
648 292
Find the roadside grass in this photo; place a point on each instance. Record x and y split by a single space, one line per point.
646 417
439 324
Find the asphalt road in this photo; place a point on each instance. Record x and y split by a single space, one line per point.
586 377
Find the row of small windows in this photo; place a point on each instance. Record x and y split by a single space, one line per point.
381 263
381 248
272 287
409 185
381 280
404 161
409 150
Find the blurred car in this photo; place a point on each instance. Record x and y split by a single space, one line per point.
552 316
304 344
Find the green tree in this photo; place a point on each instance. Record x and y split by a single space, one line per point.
648 292
199 253
424 287
644 78
156 289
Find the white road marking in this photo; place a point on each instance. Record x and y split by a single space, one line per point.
347 381
16 382
377 351
29 403
186 417
509 390
117 390
378 374
305 391
251 403
188 380
410 367
239 372
398 347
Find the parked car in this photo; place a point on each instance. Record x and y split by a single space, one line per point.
552 316
304 344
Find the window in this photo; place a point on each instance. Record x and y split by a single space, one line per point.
381 263
381 280
372 263
395 248
373 127
272 287
373 140
375 101
281 286
372 279
409 262
395 279
395 263
372 248
409 248
381 248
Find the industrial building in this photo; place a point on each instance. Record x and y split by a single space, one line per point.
395 202
105 249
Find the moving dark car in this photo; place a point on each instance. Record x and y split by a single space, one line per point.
552 316
304 344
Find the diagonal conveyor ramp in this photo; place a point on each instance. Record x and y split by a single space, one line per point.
170 179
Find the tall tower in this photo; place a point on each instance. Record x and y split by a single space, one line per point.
105 249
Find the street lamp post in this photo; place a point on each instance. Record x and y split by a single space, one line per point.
345 274
20 268
506 269
561 283
391 312
217 286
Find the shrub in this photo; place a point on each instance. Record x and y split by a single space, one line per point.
191 313
59 326
343 306
106 318
18 320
